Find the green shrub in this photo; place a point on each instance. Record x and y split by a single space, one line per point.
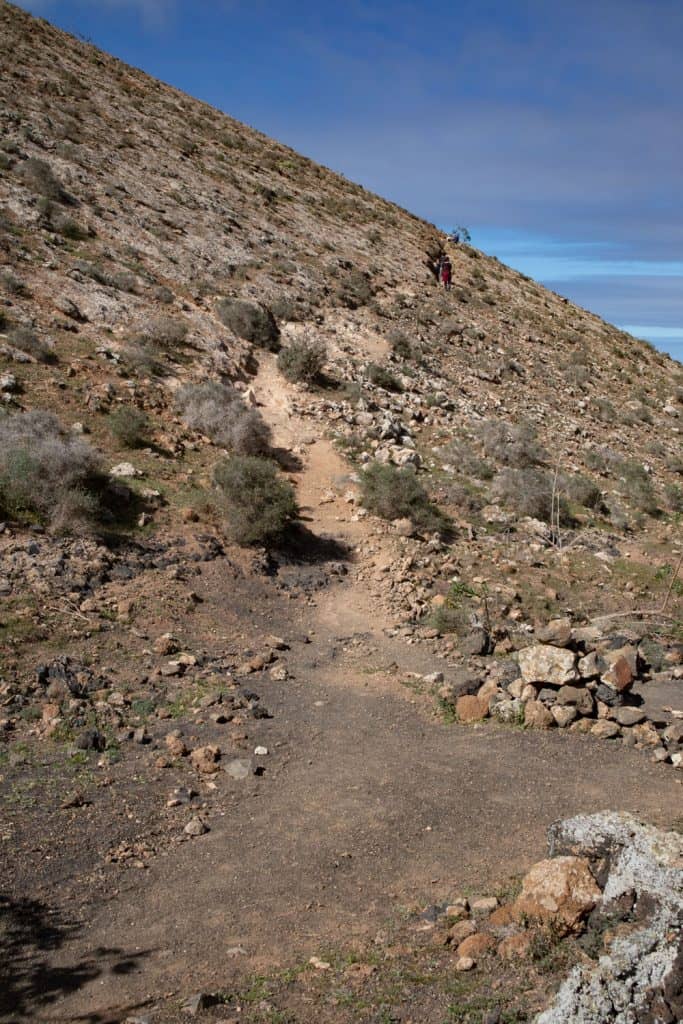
93 271
394 493
163 294
381 377
259 504
302 360
143 359
47 475
674 497
354 289
129 426
639 489
467 461
287 309
219 412
250 321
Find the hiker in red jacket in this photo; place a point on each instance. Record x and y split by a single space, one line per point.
446 273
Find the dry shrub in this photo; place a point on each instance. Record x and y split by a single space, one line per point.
219 412
47 475
302 360
130 426
529 492
511 444
26 340
250 321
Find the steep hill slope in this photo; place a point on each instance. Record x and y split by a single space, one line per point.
150 245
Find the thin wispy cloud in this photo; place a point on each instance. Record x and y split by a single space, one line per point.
154 13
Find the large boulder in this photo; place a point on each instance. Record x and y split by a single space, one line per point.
543 663
560 891
470 708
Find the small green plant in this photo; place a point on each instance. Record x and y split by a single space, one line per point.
302 360
129 425
259 504
455 614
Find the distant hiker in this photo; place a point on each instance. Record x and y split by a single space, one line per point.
446 273
455 237
437 268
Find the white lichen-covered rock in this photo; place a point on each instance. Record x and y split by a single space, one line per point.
639 980
543 663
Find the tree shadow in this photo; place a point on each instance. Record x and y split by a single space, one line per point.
303 547
30 932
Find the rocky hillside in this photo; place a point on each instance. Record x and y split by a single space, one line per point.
282 523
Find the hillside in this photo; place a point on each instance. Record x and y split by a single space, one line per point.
283 744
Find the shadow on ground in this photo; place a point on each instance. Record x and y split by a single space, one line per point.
30 934
303 547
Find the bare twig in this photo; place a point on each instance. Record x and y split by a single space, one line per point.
674 577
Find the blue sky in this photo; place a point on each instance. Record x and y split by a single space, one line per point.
554 131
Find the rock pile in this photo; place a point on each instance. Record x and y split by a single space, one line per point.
577 678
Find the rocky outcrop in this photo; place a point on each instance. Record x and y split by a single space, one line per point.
639 978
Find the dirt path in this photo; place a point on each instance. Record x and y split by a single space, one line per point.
369 806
